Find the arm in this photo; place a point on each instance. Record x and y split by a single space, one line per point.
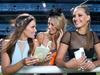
60 55
60 58
97 48
40 37
5 62
8 69
89 65
59 38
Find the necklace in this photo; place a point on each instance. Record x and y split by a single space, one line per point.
21 46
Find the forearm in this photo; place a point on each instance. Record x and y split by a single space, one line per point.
97 63
60 63
71 64
12 69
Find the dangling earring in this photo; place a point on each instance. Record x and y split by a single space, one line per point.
77 30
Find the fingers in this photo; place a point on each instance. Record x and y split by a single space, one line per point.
81 61
48 57
87 65
30 61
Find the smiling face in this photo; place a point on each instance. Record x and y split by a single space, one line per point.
30 30
80 18
52 25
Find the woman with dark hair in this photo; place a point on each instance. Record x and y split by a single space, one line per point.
56 27
17 50
82 39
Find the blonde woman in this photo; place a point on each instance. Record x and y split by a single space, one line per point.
56 24
82 38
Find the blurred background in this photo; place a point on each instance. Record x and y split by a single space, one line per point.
9 9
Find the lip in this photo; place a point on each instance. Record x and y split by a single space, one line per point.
77 22
33 34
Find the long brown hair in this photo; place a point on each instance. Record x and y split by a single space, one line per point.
20 24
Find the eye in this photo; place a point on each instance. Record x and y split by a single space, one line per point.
50 24
33 26
79 15
73 16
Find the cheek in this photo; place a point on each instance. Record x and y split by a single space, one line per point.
54 30
28 31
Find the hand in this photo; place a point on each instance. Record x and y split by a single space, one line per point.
72 64
30 61
89 65
48 57
59 38
81 62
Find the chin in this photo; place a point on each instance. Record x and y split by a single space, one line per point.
32 37
77 26
50 33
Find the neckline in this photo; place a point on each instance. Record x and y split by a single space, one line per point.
21 40
21 44
81 34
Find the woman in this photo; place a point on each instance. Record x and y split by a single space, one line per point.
56 24
17 50
82 37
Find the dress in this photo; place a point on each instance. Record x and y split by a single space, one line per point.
76 41
18 55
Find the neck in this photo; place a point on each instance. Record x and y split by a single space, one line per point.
54 37
82 30
23 38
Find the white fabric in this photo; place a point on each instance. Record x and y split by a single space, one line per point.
17 55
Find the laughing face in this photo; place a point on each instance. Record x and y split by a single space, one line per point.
80 18
52 26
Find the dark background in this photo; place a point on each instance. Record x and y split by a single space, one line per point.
9 9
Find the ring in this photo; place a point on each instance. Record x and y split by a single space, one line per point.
81 69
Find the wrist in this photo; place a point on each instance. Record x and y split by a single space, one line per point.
23 62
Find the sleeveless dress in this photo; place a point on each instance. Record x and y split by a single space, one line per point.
18 55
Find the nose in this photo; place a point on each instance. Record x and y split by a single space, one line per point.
49 26
76 18
35 30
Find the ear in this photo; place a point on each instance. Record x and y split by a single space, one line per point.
88 18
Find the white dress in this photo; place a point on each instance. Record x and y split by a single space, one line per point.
18 55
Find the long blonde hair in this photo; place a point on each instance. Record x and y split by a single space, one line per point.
59 18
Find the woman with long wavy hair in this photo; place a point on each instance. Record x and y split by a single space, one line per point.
17 50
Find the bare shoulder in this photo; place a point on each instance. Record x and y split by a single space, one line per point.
40 36
35 41
5 41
